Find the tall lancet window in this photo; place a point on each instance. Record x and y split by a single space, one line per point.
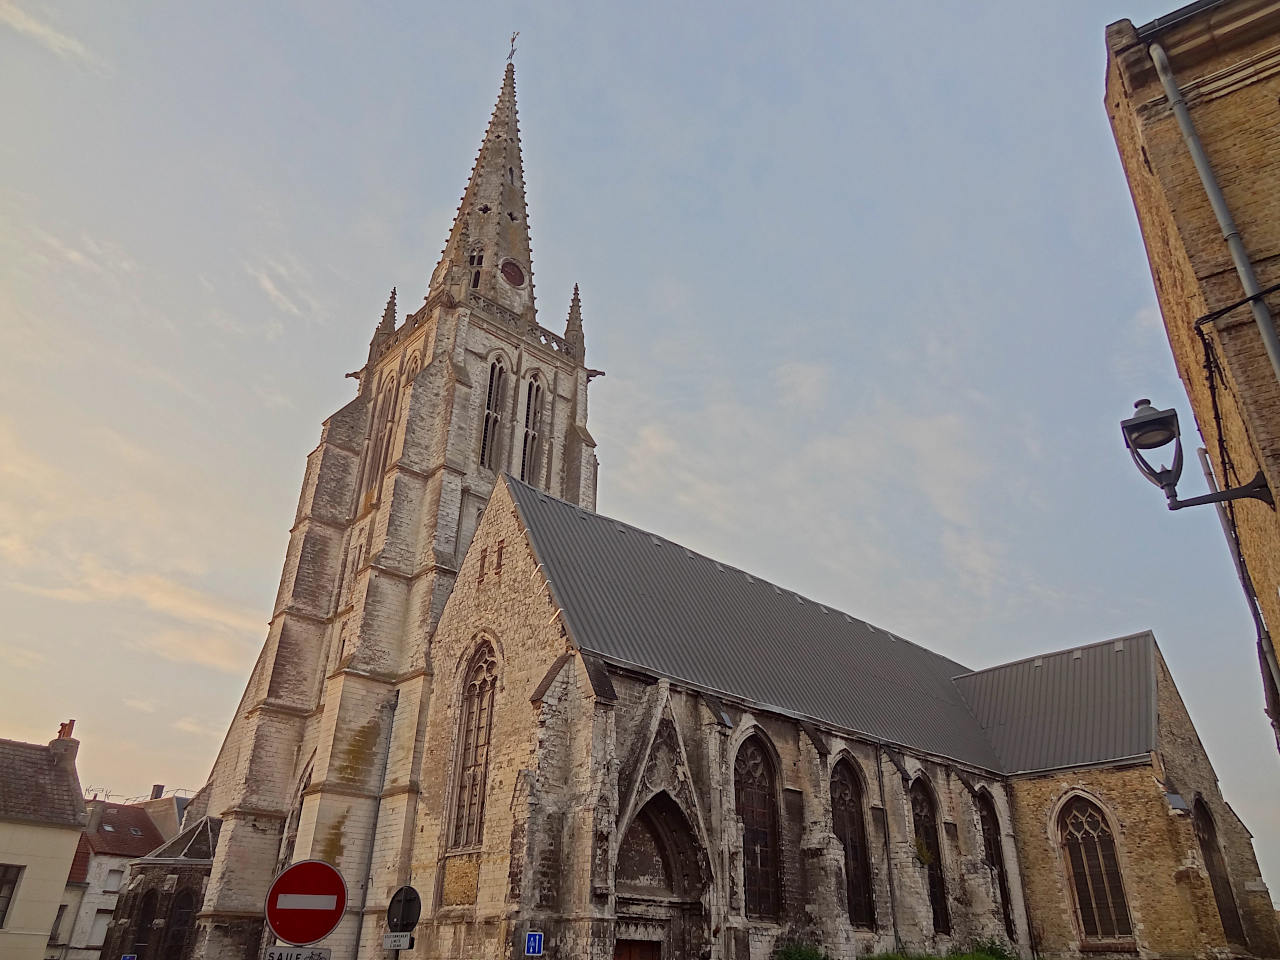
475 721
491 435
475 262
1094 871
993 848
754 792
924 816
379 439
846 812
1219 879
532 432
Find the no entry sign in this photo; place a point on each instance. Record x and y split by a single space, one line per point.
306 902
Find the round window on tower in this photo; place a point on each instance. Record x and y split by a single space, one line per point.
512 273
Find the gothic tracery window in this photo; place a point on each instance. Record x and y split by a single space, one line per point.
489 439
924 817
850 828
1094 871
475 261
994 854
1216 864
532 431
475 723
755 795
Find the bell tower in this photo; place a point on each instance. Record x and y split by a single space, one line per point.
465 388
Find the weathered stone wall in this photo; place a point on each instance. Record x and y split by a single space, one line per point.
167 939
538 770
1188 772
1226 62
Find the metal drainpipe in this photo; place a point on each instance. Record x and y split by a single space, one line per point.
1230 232
1265 647
377 811
888 855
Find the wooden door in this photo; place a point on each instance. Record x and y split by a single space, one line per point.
637 950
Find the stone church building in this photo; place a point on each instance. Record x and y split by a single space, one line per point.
548 720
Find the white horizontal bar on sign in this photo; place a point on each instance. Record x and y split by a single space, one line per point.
306 901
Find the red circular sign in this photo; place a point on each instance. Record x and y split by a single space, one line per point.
306 902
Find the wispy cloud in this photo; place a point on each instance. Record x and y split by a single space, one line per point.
198 728
142 706
267 284
14 17
20 658
223 650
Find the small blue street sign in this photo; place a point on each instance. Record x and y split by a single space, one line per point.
129 956
533 944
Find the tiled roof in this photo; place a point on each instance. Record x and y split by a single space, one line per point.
36 788
80 862
121 830
640 601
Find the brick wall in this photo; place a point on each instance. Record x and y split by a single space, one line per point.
1225 60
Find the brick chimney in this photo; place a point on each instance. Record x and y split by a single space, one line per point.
157 791
65 747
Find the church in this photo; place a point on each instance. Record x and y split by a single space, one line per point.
548 720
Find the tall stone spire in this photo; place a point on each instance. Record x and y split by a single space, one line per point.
573 329
488 254
386 326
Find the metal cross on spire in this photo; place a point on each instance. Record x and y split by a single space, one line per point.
511 55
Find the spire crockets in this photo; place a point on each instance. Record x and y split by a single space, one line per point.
573 329
488 252
386 326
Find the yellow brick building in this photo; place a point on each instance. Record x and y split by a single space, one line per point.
1220 59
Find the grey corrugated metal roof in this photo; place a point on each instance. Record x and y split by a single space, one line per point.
633 598
1087 705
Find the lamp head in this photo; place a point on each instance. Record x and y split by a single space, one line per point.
1149 428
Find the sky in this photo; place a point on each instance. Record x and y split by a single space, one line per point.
865 279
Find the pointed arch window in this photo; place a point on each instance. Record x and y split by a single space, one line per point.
1219 879
532 431
475 262
850 829
1089 848
179 925
924 817
142 930
756 798
993 850
379 438
490 435
475 723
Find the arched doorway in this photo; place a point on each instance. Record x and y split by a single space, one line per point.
661 877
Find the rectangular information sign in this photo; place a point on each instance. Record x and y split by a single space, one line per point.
397 941
297 953
533 944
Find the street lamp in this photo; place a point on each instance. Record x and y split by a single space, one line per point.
1151 429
